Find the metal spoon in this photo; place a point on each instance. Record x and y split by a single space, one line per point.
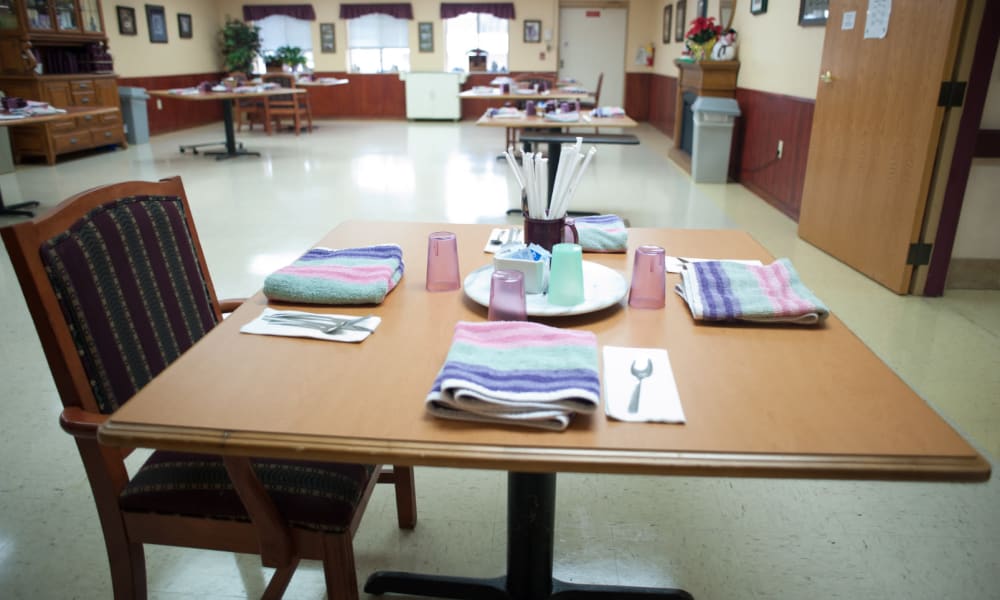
640 374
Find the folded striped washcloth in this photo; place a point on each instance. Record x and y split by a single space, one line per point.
602 233
730 291
347 276
517 372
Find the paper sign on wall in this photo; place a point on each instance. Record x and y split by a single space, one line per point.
877 19
847 22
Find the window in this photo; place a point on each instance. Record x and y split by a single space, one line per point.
378 43
277 31
475 30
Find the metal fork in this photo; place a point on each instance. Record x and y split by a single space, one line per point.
640 374
328 325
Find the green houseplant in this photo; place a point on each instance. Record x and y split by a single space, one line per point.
240 45
290 56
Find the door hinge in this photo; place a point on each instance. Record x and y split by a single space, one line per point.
919 254
952 94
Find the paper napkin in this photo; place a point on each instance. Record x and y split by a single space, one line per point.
658 399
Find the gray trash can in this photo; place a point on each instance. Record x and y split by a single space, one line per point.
134 112
713 135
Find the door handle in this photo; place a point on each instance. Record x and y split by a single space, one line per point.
826 77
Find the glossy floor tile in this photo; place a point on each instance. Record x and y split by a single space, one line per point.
718 538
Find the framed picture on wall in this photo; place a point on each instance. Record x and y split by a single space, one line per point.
184 25
758 7
668 23
327 38
126 20
532 31
425 35
156 19
813 12
681 14
702 10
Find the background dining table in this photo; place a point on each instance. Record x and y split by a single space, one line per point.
760 401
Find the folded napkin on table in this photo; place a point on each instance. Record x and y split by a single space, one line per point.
730 291
347 276
517 372
602 233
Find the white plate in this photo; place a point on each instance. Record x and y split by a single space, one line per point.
602 287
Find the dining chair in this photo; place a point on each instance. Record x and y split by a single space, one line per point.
295 106
596 102
117 286
249 110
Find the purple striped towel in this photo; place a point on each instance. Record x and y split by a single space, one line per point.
348 276
730 291
517 372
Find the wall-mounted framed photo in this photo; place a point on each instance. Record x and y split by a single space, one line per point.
681 14
813 12
532 31
184 26
668 23
702 8
156 19
425 36
126 20
758 7
327 38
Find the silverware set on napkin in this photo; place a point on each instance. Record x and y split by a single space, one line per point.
324 323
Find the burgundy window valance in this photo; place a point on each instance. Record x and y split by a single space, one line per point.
500 10
400 10
256 12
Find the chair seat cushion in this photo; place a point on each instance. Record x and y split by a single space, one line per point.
319 496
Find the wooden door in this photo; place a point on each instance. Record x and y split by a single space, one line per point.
875 134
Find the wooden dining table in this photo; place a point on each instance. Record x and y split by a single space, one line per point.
231 148
760 401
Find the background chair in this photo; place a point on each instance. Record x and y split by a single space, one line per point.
248 109
93 274
592 104
295 106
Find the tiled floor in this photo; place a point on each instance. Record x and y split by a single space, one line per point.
718 538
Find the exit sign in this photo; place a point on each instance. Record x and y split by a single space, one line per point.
594 13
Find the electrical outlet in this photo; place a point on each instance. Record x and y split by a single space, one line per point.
781 147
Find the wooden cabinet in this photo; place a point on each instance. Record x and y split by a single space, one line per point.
51 139
56 51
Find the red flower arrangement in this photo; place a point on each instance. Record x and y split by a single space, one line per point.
703 30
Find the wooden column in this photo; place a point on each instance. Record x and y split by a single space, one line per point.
705 78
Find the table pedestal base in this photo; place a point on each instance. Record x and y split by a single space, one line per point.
530 532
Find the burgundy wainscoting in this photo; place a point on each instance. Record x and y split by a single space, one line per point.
637 100
663 103
767 118
367 96
473 109
176 114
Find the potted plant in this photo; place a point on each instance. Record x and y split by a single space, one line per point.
291 57
240 45
702 36
272 62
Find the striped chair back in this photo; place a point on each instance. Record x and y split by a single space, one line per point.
133 291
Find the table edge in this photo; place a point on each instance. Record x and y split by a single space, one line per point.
960 468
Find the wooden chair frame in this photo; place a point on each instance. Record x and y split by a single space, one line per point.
296 107
279 545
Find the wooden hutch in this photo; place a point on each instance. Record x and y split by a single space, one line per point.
702 78
56 51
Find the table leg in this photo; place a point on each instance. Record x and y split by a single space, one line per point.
231 146
530 534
